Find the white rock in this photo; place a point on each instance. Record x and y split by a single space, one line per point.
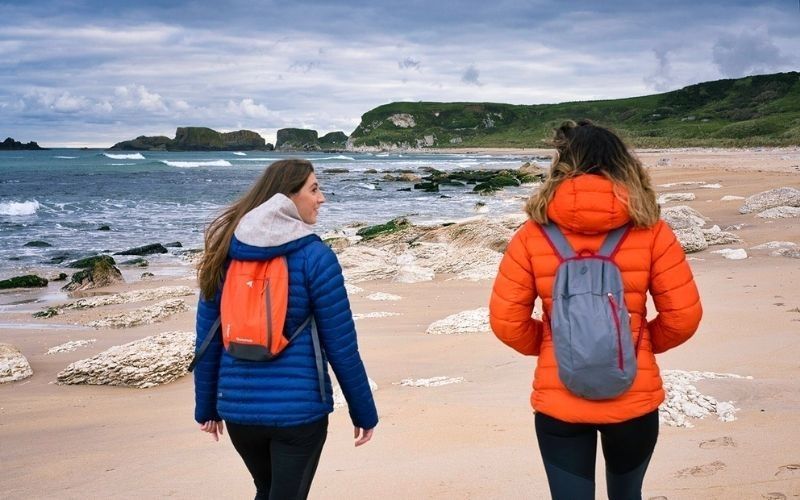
431 382
408 271
378 314
782 196
779 213
13 365
472 321
383 296
683 401
683 183
692 239
716 236
667 197
772 245
70 346
142 316
711 186
151 361
793 252
362 263
732 253
403 120
338 396
731 198
163 292
352 289
682 217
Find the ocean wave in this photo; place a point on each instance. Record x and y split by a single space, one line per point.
193 164
256 159
339 157
65 157
239 153
134 156
19 208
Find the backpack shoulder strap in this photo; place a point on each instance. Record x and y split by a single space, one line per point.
614 240
202 349
558 241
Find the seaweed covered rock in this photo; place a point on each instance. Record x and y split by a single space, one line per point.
144 250
91 261
394 225
26 281
100 274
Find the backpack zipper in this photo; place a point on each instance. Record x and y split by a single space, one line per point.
268 316
614 311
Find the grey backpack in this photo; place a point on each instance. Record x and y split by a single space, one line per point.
590 324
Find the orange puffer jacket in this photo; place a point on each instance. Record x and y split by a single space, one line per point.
650 259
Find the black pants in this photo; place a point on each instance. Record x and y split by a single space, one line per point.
569 451
282 460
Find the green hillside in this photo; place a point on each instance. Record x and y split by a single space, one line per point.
753 111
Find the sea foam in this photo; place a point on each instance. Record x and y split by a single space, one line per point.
134 156
19 208
193 164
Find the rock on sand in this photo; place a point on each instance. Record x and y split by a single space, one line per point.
13 365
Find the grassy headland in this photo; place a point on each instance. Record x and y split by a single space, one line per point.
759 110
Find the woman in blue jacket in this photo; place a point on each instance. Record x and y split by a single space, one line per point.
277 411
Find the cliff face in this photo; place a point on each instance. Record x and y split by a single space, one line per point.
296 139
11 144
197 139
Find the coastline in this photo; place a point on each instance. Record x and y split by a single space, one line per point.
470 439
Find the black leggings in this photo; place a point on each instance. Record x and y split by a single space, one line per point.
282 460
569 451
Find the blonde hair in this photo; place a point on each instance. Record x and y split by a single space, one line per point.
286 177
585 148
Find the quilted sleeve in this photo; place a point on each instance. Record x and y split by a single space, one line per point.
206 373
338 333
674 293
513 295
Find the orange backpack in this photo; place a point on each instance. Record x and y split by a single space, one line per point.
253 308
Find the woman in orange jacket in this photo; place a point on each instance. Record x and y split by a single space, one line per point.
596 185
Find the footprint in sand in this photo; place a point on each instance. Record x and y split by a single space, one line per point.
702 470
788 470
720 442
774 495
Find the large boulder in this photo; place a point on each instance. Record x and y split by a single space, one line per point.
13 365
687 224
144 250
27 281
151 361
101 274
779 197
91 261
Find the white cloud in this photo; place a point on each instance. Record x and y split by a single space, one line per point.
249 109
746 53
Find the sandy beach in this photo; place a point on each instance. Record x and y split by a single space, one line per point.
470 438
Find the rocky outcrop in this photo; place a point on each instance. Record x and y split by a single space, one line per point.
143 315
297 139
27 281
472 321
101 273
13 365
144 250
92 261
779 197
10 145
151 361
197 139
164 292
779 213
333 141
70 346
684 402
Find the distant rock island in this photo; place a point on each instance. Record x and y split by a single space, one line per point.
197 139
10 144
298 139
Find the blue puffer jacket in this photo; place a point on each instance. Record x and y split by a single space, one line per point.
285 391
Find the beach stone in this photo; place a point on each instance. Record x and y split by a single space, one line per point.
782 196
13 365
174 244
92 261
101 274
684 402
692 239
383 296
465 322
104 227
772 245
163 292
668 197
26 281
682 217
142 316
338 396
37 244
376 314
716 236
60 277
779 213
137 262
70 346
732 253
148 362
144 250
352 289
793 252
731 198
430 382
192 255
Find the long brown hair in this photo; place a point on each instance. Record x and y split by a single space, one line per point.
284 176
586 148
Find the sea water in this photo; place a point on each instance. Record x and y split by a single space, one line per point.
63 196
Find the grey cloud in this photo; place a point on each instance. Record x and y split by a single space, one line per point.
471 75
409 63
747 53
303 67
661 79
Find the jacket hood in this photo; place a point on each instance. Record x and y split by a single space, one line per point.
587 204
271 229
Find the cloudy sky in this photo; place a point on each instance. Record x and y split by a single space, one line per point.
85 72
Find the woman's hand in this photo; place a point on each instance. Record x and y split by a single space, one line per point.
213 427
365 435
